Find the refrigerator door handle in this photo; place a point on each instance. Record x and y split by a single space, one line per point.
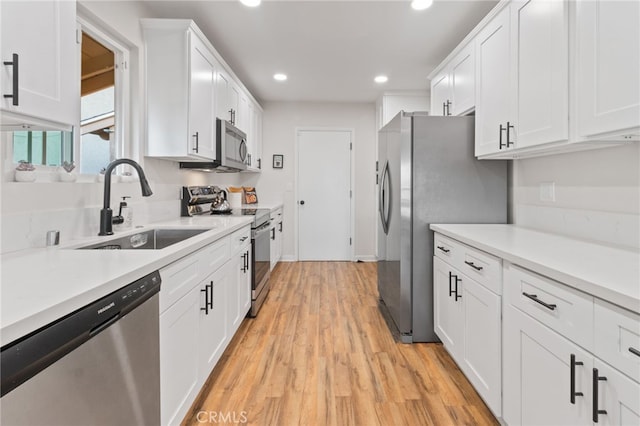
383 199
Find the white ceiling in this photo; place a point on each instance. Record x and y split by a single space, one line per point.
331 49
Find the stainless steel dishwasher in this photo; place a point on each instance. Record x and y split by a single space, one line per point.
99 365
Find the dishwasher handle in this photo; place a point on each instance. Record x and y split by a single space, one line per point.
29 355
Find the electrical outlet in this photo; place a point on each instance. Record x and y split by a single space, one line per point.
548 191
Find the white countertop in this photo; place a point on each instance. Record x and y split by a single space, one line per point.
271 206
608 273
41 285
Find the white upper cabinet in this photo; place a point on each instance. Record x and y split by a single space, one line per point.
608 69
180 92
539 70
440 94
453 90
492 86
254 137
188 87
40 67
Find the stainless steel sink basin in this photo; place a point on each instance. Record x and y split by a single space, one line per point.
153 239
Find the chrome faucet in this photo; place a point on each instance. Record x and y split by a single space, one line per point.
106 214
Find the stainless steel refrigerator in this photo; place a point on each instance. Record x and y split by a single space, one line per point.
427 173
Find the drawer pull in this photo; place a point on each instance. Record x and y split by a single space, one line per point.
535 299
573 379
446 250
454 292
597 378
634 351
473 265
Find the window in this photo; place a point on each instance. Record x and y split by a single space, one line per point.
49 148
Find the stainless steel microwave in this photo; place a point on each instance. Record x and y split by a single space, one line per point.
231 146
231 150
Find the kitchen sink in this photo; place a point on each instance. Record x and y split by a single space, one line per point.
153 239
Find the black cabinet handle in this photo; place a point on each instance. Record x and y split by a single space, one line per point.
454 291
509 126
280 226
197 141
448 105
259 163
243 239
206 299
302 202
14 91
535 299
501 145
246 259
441 248
273 233
596 378
634 351
473 265
573 379
244 262
444 108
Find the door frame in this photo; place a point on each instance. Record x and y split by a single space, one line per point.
296 150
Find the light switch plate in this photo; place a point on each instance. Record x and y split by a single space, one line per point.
548 191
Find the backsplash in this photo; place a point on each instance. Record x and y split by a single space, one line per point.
597 195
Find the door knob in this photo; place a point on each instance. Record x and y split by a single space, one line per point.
302 202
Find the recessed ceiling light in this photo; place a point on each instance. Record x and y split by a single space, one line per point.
251 3
421 4
381 79
280 77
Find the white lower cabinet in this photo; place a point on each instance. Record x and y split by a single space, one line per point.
178 357
537 375
213 322
550 378
203 300
468 321
276 237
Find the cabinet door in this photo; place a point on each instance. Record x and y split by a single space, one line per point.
492 84
539 72
448 312
179 383
463 81
279 238
272 242
482 342
618 395
43 36
233 293
214 303
537 375
243 119
201 101
440 94
607 66
222 95
233 102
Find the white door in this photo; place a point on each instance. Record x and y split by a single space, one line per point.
618 396
324 195
448 311
539 71
201 102
463 81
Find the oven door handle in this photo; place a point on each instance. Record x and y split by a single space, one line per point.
265 227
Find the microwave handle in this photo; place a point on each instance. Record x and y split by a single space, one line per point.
243 150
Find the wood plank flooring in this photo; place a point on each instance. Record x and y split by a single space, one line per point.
320 353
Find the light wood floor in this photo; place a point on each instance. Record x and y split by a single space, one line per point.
319 353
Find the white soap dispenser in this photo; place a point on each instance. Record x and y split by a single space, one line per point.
126 214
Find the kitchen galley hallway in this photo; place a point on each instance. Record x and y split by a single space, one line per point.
320 353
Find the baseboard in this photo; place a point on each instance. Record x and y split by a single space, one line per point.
366 258
288 258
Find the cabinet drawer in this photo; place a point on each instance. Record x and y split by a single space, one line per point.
240 238
482 267
214 256
177 279
617 338
563 309
478 265
446 248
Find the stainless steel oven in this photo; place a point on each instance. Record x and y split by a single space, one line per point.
261 255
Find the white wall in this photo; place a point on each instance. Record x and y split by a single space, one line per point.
281 119
597 194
